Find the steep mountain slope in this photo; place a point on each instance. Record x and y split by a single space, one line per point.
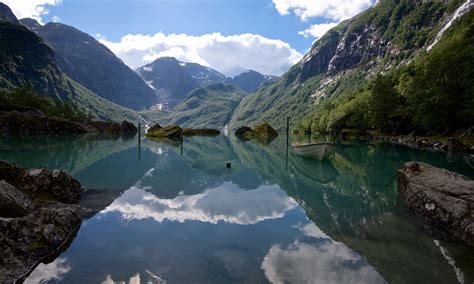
211 106
90 63
27 60
249 80
387 35
170 80
6 14
202 75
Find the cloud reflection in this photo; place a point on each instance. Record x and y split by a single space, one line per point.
48 272
321 261
227 203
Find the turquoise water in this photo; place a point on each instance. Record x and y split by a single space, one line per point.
174 213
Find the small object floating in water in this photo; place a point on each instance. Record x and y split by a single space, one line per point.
317 151
228 165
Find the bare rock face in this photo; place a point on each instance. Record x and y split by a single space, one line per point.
443 197
38 218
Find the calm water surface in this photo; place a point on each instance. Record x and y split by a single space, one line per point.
170 213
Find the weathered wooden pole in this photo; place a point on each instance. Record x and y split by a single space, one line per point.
287 141
139 142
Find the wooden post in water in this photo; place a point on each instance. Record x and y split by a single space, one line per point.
287 141
139 142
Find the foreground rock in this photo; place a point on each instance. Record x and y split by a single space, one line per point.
39 216
262 133
176 132
443 197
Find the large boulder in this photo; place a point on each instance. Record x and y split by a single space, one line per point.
443 197
42 183
38 217
262 133
171 132
154 127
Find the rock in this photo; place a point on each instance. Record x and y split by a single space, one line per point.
13 202
244 133
201 132
127 127
154 127
262 133
37 218
443 197
171 132
56 185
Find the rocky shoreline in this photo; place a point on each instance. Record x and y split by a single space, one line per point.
34 122
39 217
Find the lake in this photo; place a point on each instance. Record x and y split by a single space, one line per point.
166 212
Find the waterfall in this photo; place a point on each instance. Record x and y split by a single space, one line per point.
463 9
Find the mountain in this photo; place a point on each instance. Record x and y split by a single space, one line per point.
28 60
91 64
170 80
341 67
6 14
211 106
203 75
249 80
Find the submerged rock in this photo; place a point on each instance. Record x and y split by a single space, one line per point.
262 133
38 217
443 197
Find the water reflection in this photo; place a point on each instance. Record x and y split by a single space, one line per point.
273 216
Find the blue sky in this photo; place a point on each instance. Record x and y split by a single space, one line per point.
230 36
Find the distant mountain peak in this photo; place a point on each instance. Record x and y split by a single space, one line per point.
32 24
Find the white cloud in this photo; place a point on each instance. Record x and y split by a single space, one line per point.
324 262
318 30
227 54
35 9
336 10
55 19
227 203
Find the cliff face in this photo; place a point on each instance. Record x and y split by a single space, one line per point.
385 36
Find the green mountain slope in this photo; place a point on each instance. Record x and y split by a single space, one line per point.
387 35
27 60
211 106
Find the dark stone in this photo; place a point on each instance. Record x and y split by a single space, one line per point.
37 218
444 198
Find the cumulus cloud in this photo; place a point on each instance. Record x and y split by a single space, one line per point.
228 54
336 10
324 262
318 30
227 203
35 9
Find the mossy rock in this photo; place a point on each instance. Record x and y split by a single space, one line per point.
171 132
